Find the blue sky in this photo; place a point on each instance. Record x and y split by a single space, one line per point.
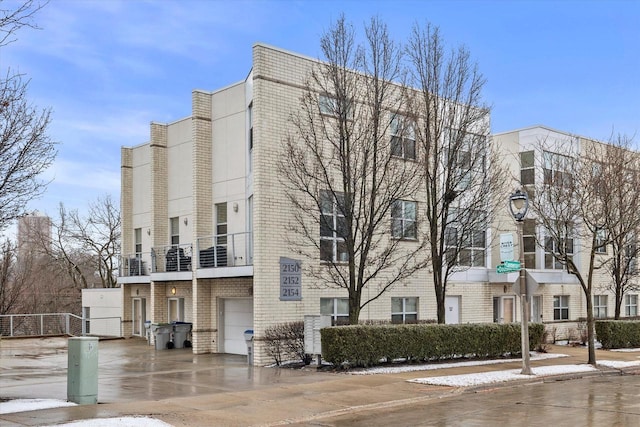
108 68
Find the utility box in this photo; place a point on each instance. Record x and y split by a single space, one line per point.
82 370
312 337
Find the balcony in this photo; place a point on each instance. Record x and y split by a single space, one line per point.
227 255
172 258
134 268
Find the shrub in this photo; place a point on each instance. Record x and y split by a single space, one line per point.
285 341
368 345
618 333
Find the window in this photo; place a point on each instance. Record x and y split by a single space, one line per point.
337 308
558 250
138 241
527 168
556 169
561 307
631 254
221 223
466 246
631 305
328 105
403 138
600 246
464 158
250 120
333 228
174 224
404 310
403 219
536 309
529 241
599 306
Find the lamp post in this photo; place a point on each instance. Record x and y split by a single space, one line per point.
519 205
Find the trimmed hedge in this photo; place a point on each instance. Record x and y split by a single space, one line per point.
618 333
367 345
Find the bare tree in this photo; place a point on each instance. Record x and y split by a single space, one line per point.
616 180
349 162
85 248
11 282
585 200
464 180
25 148
99 234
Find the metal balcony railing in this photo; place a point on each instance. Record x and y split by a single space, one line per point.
225 250
137 264
173 258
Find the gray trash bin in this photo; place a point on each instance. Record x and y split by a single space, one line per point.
147 331
181 331
248 337
162 334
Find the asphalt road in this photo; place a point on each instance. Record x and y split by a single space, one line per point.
594 401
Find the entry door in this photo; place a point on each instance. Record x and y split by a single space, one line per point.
452 310
237 317
139 316
508 309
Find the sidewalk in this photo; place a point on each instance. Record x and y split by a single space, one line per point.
289 399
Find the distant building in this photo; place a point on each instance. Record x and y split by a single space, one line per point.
34 229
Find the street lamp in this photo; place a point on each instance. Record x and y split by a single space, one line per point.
519 205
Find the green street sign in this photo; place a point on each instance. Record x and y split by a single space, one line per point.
512 264
504 269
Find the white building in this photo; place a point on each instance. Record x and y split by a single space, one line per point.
204 214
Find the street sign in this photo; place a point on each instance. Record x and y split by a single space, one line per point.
508 267
501 268
512 264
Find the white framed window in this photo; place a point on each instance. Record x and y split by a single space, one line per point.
137 237
333 228
473 249
529 242
403 219
403 137
221 223
631 305
174 230
600 247
561 307
250 136
557 168
175 309
527 168
536 309
631 254
328 105
337 308
404 310
562 247
599 306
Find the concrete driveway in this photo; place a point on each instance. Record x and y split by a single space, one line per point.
129 369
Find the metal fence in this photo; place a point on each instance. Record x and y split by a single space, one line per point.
25 325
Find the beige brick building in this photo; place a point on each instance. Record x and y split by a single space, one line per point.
204 218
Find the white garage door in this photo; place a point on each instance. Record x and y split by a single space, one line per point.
238 317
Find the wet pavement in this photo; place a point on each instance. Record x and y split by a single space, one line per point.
184 389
